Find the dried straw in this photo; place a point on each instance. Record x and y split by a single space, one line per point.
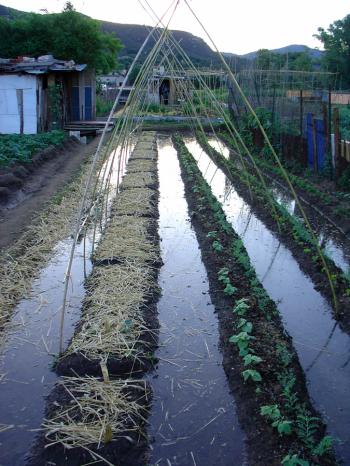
113 323
22 261
139 165
95 412
136 202
139 180
129 239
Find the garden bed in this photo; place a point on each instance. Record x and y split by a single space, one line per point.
259 359
92 419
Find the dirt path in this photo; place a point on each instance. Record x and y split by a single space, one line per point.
38 188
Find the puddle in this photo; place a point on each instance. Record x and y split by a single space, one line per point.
330 239
32 343
193 420
323 349
30 351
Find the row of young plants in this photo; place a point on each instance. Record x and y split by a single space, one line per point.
288 228
328 201
272 397
97 411
21 147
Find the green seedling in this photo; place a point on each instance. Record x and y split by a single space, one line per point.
241 307
242 340
212 234
244 325
323 447
294 460
252 374
223 275
217 246
272 412
230 289
251 359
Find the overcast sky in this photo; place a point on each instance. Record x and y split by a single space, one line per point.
236 26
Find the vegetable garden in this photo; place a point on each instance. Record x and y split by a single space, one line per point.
185 300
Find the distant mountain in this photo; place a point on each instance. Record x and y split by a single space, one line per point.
133 35
294 48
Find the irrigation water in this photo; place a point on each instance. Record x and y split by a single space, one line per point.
323 348
331 240
193 420
32 344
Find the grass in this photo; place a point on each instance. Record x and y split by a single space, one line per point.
21 147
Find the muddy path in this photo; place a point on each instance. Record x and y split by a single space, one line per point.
39 182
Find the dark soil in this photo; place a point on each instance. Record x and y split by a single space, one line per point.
265 446
120 452
25 189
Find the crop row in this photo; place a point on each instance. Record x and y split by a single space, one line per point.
291 229
273 406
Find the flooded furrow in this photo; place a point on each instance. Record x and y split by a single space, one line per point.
32 344
323 349
336 246
193 420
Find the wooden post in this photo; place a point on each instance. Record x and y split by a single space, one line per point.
325 123
301 113
329 129
336 141
19 93
314 144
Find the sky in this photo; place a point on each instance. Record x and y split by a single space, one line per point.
236 26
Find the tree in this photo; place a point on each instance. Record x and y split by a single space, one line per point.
336 42
66 35
301 62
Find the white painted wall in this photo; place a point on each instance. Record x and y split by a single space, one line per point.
9 110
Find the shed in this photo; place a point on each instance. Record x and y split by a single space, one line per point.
167 87
44 93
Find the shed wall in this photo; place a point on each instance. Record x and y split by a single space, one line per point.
10 104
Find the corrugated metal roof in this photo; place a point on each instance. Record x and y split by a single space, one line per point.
40 65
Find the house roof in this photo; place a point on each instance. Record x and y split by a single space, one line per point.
40 65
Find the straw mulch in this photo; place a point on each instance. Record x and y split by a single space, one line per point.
140 202
129 239
90 413
113 321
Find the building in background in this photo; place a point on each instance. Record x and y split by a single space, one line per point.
45 93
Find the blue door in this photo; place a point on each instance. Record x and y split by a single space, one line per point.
75 104
316 142
88 103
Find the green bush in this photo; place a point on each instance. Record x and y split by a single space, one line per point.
22 147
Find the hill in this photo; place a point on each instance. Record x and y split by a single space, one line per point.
294 48
133 35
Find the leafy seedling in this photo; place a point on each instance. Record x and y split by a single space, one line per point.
252 374
241 307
